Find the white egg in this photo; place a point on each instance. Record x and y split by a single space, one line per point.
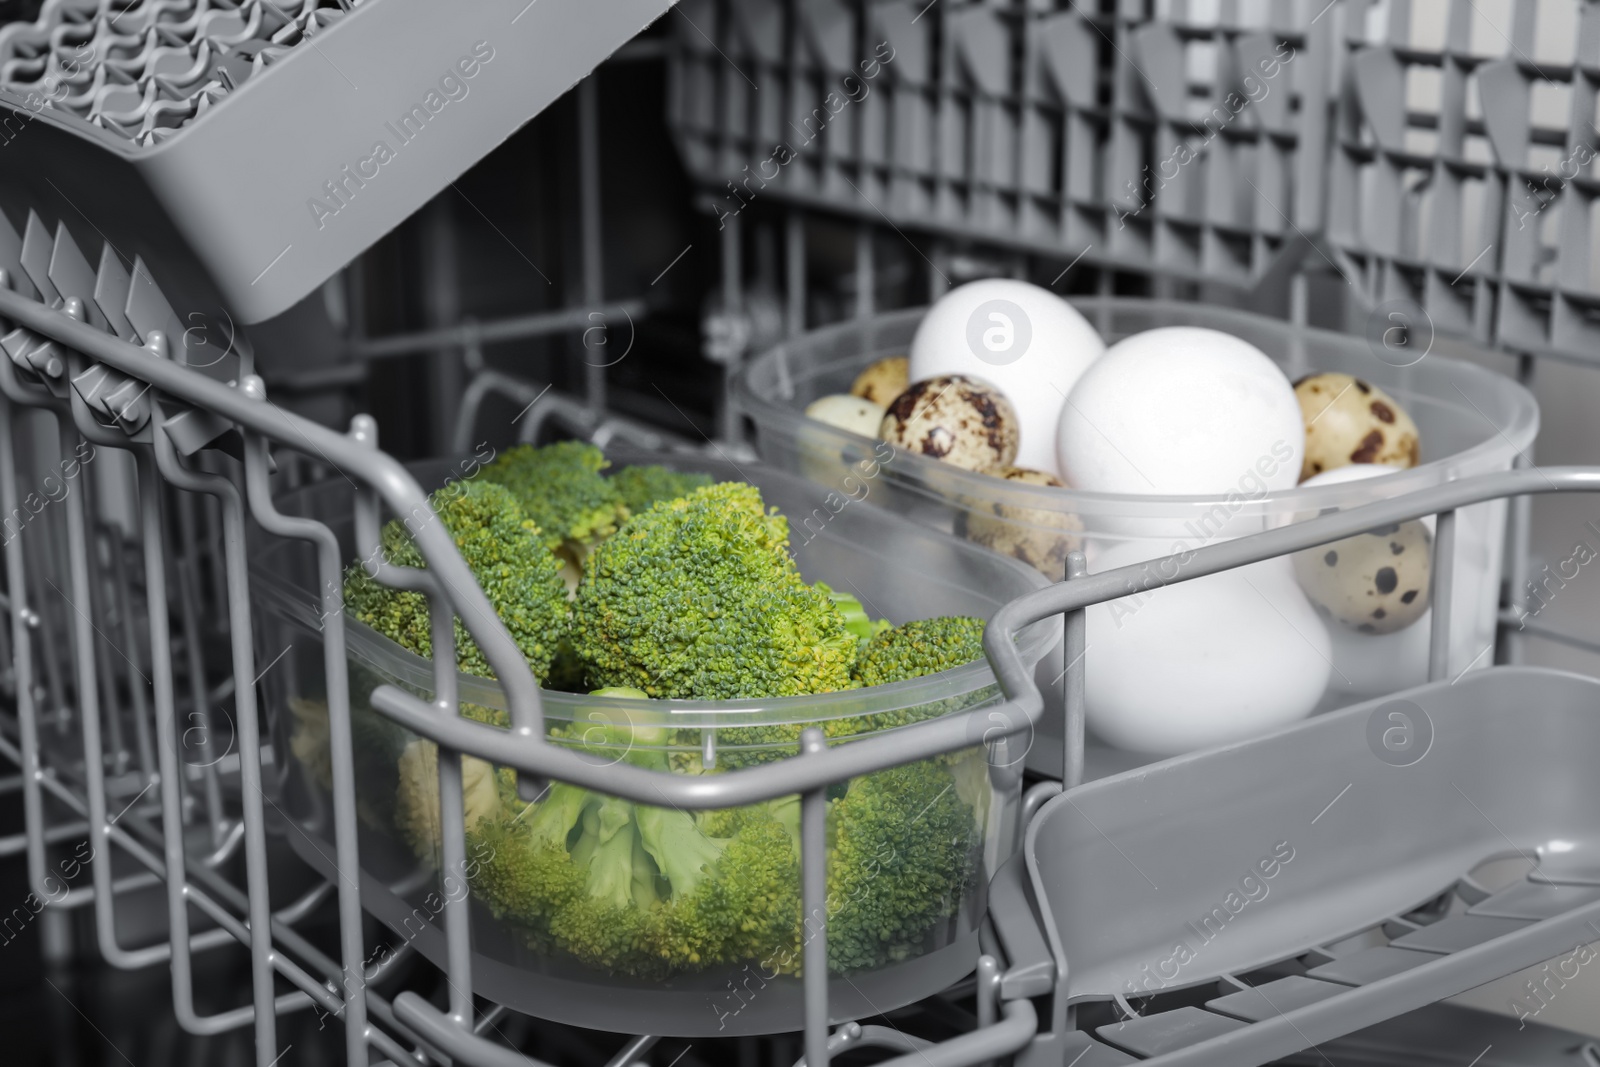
1181 410
1205 662
1026 341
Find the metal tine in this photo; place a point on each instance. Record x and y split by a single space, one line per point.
179 942
230 928
141 703
814 899
200 713
22 644
37 834
452 818
1076 638
83 648
211 538
452 814
86 426
336 673
204 885
1444 557
247 728
46 543
98 608
20 577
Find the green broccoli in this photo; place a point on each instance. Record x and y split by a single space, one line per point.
918 648
904 847
560 487
644 485
681 850
505 553
697 598
856 619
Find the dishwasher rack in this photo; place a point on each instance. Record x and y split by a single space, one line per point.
396 1029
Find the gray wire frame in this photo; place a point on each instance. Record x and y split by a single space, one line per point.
383 481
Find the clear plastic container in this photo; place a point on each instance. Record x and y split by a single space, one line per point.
958 822
1470 421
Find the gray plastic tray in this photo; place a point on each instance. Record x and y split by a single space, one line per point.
435 85
1264 861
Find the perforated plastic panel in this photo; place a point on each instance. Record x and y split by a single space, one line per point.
274 163
1464 170
1173 138
144 69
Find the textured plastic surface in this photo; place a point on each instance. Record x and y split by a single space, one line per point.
1463 173
363 121
903 570
1128 867
1471 421
1185 145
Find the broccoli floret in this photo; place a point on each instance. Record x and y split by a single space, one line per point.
560 487
918 648
904 848
697 598
897 654
644 485
505 553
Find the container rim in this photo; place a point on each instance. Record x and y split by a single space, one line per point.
963 484
404 667
393 662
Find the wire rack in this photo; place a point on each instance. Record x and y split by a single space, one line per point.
106 800
1042 130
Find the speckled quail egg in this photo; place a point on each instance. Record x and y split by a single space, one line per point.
1038 537
956 419
1352 421
1376 582
1021 338
883 381
847 413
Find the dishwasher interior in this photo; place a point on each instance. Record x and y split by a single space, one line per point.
493 575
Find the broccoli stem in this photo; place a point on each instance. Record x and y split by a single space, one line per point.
610 877
557 813
681 850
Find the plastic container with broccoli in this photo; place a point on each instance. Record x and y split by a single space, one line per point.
688 619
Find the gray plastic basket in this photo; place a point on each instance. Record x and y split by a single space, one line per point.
151 122
1046 132
1315 881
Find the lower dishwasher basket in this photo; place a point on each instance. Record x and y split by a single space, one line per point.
1241 904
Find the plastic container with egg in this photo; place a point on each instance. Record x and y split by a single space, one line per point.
1251 646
